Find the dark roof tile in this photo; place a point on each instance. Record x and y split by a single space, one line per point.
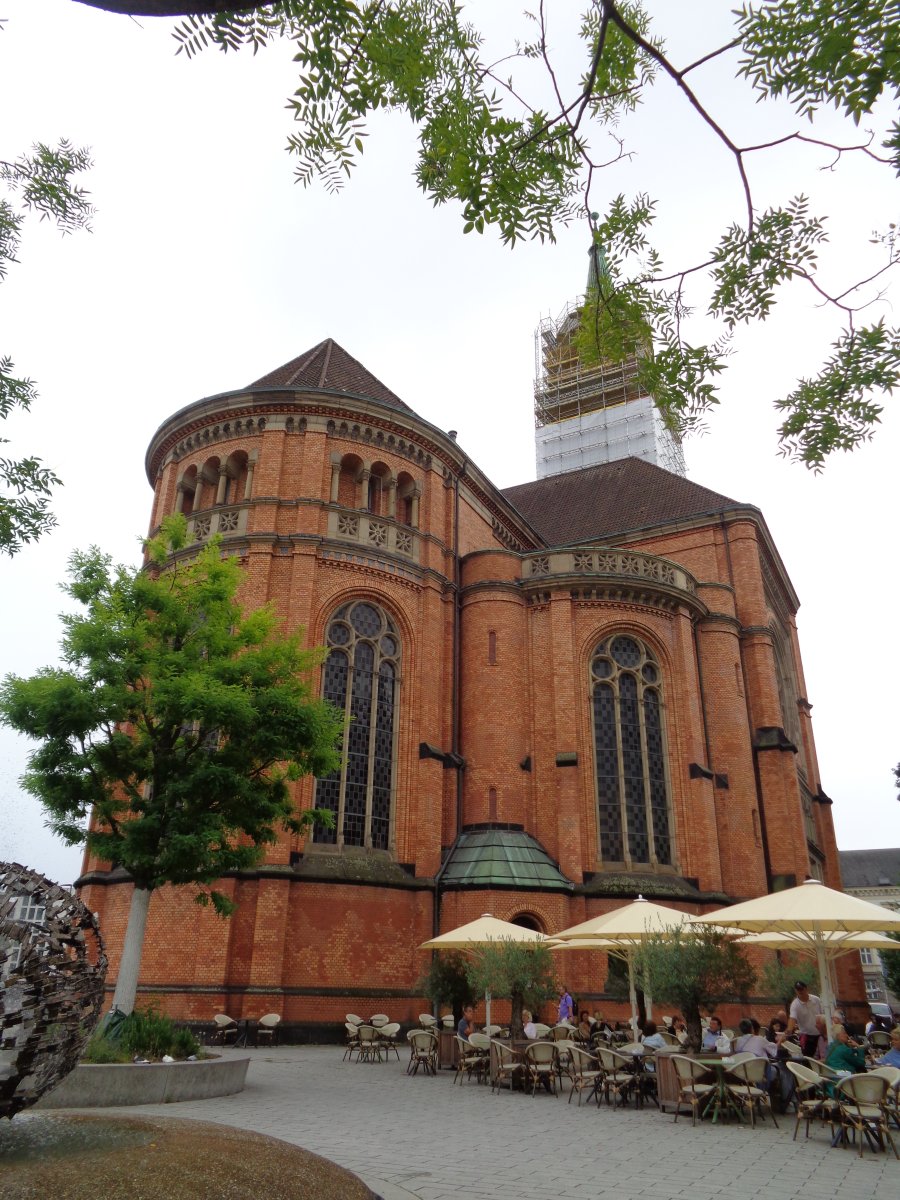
594 502
870 868
328 367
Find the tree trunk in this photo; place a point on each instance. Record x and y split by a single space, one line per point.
515 1019
694 1028
130 964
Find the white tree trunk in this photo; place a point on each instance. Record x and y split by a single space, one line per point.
130 965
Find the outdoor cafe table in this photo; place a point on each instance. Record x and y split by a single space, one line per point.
669 1088
722 1098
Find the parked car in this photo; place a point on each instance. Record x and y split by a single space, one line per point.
883 1017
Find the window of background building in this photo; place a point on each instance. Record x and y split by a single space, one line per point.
873 990
629 746
360 678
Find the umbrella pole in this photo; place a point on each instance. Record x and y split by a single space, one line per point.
825 977
632 994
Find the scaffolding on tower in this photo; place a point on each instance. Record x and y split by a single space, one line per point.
593 412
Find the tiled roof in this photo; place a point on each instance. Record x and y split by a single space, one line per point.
328 367
590 504
870 868
502 858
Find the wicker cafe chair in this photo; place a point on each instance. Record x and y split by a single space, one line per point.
507 1065
618 1075
369 1044
892 1100
585 1073
428 1021
812 1098
267 1028
226 1029
542 1065
541 1031
880 1040
353 1019
352 1046
422 1051
745 1082
387 1036
694 1086
823 1071
862 1104
564 1058
379 1019
469 1060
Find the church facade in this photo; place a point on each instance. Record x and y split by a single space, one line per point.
558 695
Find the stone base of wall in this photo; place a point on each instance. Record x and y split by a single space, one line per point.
111 1085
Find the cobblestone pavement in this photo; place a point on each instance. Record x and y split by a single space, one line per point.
427 1138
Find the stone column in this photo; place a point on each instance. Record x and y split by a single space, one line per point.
392 499
248 486
222 485
335 480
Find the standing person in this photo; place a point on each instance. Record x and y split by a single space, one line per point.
566 1007
805 1007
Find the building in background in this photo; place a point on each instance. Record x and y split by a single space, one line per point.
874 875
559 695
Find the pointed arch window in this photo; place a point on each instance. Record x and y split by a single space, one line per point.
629 748
361 677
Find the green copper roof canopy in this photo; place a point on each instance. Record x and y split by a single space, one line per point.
502 858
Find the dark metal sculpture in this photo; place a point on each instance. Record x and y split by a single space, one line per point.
52 972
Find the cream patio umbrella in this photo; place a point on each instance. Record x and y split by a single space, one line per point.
481 932
816 916
625 929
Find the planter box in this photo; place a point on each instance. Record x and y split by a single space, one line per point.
111 1085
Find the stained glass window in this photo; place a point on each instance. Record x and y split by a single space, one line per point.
360 678
629 753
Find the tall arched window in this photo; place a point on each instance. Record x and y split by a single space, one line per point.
360 678
632 798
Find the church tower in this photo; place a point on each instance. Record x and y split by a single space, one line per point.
592 412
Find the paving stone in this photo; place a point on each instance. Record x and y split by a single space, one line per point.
427 1138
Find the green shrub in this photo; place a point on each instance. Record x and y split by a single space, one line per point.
101 1050
144 1033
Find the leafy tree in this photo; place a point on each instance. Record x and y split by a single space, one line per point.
177 725
521 143
890 960
694 970
447 981
523 972
782 971
41 181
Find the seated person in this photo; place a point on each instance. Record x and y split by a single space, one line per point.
751 1041
652 1040
652 1037
892 1057
466 1026
712 1035
679 1029
528 1029
843 1054
584 1026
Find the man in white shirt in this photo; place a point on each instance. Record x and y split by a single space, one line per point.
805 1007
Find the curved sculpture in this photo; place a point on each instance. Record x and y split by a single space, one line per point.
52 972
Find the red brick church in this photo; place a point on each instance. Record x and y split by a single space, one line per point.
562 694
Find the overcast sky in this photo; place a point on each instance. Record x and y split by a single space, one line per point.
208 266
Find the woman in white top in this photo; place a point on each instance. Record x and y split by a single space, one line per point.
528 1028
